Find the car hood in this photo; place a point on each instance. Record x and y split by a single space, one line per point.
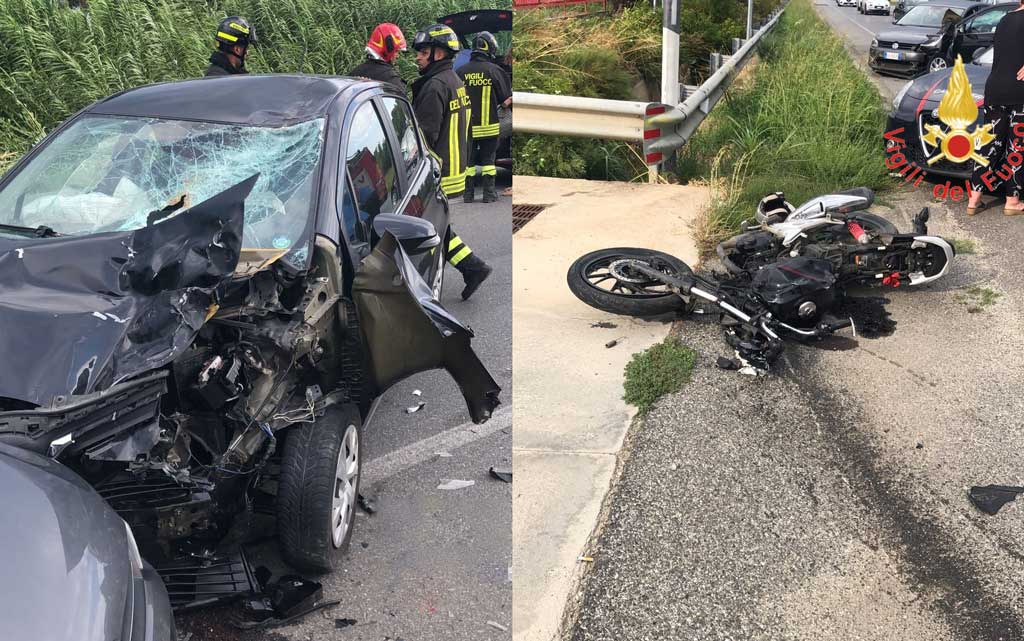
932 86
64 554
909 35
81 313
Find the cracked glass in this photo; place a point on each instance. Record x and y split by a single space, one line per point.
107 174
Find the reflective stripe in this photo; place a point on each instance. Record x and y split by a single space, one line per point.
235 25
470 171
457 258
227 36
485 107
490 131
489 170
454 242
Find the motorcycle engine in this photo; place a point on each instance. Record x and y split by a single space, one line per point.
798 291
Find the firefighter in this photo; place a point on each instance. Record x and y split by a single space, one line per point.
234 35
443 110
382 51
487 87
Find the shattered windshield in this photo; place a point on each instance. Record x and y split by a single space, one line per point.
109 173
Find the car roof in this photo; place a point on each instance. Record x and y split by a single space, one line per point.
245 99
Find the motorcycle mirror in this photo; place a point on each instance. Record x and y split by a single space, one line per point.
831 204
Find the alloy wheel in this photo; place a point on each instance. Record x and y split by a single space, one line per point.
346 479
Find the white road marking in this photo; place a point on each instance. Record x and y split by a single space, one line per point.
872 33
415 453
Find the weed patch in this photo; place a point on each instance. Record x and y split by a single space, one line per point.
977 299
965 246
656 371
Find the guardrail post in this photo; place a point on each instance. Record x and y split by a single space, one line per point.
670 53
750 18
736 44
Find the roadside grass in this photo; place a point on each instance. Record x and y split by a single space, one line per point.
808 123
977 299
964 246
660 369
616 57
56 60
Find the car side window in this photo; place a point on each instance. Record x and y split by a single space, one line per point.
370 162
405 130
986 22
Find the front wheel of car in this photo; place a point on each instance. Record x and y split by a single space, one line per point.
937 63
319 488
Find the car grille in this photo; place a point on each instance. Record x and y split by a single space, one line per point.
196 582
887 44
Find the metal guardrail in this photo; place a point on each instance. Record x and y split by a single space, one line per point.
662 128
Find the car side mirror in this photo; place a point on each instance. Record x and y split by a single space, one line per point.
978 53
416 235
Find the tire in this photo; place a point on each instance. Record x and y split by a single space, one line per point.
652 304
937 64
314 524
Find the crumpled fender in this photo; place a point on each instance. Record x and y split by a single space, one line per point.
81 313
407 330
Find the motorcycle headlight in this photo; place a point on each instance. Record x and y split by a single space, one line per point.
899 96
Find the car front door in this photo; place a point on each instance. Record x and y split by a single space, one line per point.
976 33
424 198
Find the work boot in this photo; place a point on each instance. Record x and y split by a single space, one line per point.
468 196
474 272
490 195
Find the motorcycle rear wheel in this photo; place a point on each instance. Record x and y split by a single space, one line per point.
873 224
603 279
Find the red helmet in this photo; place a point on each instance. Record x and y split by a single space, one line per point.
386 42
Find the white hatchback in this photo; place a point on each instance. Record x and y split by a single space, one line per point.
874 6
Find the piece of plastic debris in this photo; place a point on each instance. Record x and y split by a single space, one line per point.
604 325
502 474
727 363
919 446
497 626
343 623
612 343
585 559
674 467
990 498
366 504
456 484
417 392
415 408
284 601
444 454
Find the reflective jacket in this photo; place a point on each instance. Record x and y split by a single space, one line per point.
379 70
488 87
443 110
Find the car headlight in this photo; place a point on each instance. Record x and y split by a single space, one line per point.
899 96
874 42
932 43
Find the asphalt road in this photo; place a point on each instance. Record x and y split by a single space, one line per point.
828 501
428 564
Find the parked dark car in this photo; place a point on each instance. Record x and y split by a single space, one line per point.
903 6
465 25
925 30
73 571
205 287
970 35
914 107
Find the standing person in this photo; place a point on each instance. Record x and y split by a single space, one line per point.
443 111
234 35
1004 110
382 50
488 88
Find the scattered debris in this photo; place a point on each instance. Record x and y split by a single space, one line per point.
612 343
497 626
364 544
444 454
990 498
366 504
284 601
456 484
343 623
727 363
585 559
415 408
604 325
919 446
502 474
417 392
674 467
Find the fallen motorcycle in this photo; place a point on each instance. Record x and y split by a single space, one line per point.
788 273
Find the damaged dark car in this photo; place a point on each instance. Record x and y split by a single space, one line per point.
205 287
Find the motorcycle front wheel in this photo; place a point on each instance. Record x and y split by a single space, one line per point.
607 280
